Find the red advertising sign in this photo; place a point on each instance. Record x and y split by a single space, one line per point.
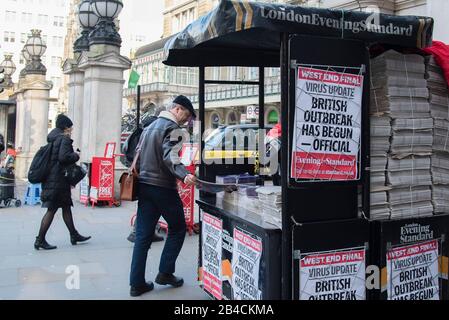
102 180
326 133
186 193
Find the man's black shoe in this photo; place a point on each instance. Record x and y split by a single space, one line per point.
157 238
169 278
137 291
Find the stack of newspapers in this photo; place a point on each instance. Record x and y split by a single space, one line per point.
270 198
398 86
380 128
399 93
410 181
439 108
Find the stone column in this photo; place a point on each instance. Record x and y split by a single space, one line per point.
32 119
103 68
76 99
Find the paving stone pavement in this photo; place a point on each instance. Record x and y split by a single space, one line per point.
103 262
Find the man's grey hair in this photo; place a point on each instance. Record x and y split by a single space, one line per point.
158 110
171 105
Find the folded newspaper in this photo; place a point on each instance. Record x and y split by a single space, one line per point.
212 187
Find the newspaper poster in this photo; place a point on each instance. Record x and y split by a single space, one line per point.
212 233
85 185
326 133
106 168
246 254
334 275
412 272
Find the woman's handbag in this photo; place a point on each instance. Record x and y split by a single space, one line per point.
128 182
74 174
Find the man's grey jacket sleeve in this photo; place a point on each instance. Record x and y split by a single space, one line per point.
171 158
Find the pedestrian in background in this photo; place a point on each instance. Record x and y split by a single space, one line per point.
56 191
2 143
158 195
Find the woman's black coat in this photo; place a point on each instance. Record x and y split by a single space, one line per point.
56 191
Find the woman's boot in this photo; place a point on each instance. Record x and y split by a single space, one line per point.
41 243
76 237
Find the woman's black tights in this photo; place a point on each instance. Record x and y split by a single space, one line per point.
48 219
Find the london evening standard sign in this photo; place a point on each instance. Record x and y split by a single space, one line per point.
315 19
326 134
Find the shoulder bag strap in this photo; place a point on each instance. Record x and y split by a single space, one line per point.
132 169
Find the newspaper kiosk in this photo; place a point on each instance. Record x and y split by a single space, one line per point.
325 154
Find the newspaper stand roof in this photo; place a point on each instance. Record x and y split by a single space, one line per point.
248 33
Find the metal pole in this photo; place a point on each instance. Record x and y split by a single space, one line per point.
286 250
262 133
138 107
201 107
261 97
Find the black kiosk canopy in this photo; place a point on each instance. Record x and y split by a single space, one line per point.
248 33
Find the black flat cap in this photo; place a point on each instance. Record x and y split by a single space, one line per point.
185 102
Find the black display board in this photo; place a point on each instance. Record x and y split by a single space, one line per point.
311 200
250 227
412 270
334 238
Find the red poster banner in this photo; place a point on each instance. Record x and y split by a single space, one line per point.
102 180
327 127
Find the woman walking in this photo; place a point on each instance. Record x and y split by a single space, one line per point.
56 191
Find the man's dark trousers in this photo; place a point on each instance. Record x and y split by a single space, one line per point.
153 202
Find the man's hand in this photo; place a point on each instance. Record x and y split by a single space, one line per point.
190 179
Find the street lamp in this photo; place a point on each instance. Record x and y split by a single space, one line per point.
26 56
9 68
35 47
105 31
88 19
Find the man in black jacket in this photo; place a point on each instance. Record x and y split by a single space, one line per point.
160 166
130 152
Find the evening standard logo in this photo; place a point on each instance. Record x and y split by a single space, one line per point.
415 232
354 26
